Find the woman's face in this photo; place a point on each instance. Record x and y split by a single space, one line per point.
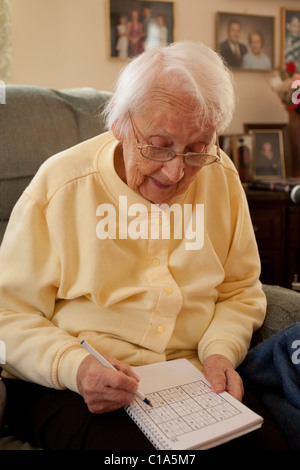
256 44
294 27
134 15
167 121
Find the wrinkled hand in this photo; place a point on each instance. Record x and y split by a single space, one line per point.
219 371
106 389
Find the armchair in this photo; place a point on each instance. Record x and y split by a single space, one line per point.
38 122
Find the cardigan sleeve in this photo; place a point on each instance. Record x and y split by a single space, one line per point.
36 350
241 305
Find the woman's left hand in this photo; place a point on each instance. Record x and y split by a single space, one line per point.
219 371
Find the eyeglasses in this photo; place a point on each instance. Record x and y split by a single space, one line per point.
162 154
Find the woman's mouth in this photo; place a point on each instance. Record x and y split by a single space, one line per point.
159 184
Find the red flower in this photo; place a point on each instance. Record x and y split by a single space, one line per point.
290 68
293 107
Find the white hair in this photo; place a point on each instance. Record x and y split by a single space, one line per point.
186 65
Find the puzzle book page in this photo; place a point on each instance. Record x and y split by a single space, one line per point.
185 413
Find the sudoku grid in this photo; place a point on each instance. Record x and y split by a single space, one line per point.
182 409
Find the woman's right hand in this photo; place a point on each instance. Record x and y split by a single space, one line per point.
106 389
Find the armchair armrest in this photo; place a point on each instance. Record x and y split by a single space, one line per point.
283 309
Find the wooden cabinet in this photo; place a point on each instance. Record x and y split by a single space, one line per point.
276 222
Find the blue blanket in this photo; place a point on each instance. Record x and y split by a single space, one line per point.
274 365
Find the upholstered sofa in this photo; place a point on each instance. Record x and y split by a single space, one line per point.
36 123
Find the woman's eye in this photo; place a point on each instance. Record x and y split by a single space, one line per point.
158 141
197 148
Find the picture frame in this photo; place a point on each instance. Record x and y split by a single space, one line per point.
226 144
290 36
135 25
252 35
238 147
284 128
268 154
243 156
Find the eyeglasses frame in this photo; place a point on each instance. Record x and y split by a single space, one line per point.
184 155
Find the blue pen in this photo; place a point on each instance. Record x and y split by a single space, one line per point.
107 364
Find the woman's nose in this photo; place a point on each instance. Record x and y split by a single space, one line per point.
174 169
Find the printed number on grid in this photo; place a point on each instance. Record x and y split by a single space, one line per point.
186 408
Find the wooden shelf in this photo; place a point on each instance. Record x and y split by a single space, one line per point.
276 222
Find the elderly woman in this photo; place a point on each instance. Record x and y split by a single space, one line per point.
75 266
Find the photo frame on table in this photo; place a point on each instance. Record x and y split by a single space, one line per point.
268 154
226 144
284 128
243 155
290 37
135 25
246 42
239 148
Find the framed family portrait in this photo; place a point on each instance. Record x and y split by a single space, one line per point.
290 36
268 154
135 26
246 42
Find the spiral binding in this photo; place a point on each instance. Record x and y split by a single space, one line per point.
147 429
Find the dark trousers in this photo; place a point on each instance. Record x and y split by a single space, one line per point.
59 420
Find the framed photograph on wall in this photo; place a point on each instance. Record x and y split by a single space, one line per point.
290 36
268 154
136 25
246 41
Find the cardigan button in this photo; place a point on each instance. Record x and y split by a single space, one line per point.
156 262
168 290
161 329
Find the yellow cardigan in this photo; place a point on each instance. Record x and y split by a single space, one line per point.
70 270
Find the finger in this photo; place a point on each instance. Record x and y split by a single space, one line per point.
110 400
112 403
218 382
234 384
123 367
104 389
216 376
111 392
117 396
228 380
118 380
97 378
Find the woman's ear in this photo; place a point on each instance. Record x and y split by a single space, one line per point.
116 132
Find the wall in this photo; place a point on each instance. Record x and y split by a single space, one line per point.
63 44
